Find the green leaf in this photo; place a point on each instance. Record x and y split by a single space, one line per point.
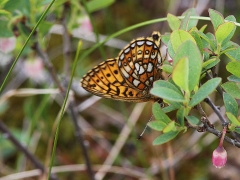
166 84
234 68
198 40
207 39
167 68
210 63
165 137
193 120
181 73
237 130
229 46
178 37
157 125
234 79
204 91
225 32
232 89
234 54
202 29
159 114
167 93
165 38
231 104
169 108
190 50
170 127
173 22
231 18
188 23
95 5
216 18
233 119
180 116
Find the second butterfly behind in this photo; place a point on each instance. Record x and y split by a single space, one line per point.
130 76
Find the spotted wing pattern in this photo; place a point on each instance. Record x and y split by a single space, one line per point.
139 62
130 76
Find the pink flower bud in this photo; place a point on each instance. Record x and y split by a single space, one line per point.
219 157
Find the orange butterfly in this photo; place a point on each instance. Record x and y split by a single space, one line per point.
130 76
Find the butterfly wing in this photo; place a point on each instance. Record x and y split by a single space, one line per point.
139 62
105 80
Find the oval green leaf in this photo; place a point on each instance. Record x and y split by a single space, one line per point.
190 50
231 104
167 84
159 114
204 91
173 22
167 93
216 18
170 127
225 32
157 125
178 37
193 120
165 137
232 89
234 68
180 73
232 119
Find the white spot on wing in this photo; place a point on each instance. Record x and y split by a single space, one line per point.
150 67
135 76
127 50
159 59
121 57
136 82
141 71
119 63
139 43
127 68
126 75
133 45
149 43
137 66
151 78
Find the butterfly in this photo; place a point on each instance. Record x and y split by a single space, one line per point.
130 76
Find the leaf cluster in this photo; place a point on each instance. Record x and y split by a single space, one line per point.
194 55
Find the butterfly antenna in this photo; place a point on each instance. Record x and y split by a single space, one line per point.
140 136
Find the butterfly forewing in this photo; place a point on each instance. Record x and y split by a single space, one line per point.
130 76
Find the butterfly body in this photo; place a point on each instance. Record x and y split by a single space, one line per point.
130 76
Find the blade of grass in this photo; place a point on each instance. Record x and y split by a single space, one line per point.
62 108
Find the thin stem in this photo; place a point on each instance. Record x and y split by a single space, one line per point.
78 134
216 110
